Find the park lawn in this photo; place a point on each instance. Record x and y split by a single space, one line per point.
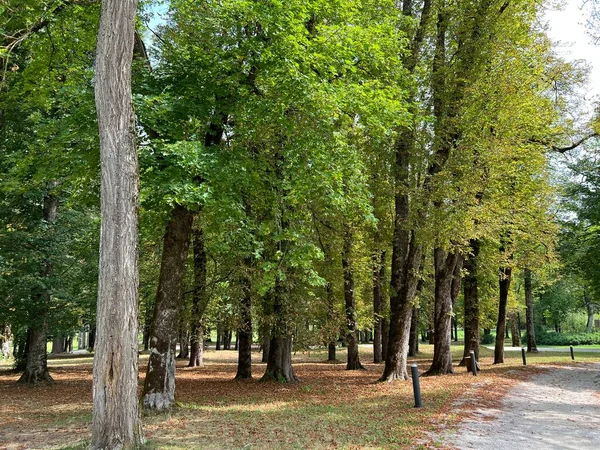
329 408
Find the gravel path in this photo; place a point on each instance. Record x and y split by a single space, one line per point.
559 409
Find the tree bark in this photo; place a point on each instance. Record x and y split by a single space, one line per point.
406 253
115 420
590 312
244 369
385 330
265 347
159 386
36 366
58 344
378 277
413 342
92 340
350 304
199 300
529 313
445 272
471 301
515 333
505 278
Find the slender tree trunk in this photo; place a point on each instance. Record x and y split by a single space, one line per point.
244 370
514 330
331 346
36 366
159 386
505 278
147 325
199 300
445 272
92 340
378 277
455 291
471 300
590 312
350 302
529 314
115 419
413 342
385 331
184 342
219 335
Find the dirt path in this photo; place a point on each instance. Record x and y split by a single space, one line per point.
558 409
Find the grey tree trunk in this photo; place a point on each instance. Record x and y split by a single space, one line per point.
36 366
58 344
515 333
505 278
378 278
406 253
471 301
445 272
350 303
413 342
244 335
529 313
590 312
199 300
159 387
115 420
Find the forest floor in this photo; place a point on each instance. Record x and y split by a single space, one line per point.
558 409
330 408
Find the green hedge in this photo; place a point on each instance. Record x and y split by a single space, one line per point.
568 339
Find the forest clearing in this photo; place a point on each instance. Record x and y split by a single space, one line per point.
331 407
342 184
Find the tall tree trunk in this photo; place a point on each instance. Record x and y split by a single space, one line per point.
159 386
406 253
529 314
590 312
413 342
350 302
471 301
92 340
219 335
244 370
385 331
115 419
378 277
279 355
505 278
331 346
199 300
266 344
184 341
514 330
36 366
58 344
445 273
147 325
455 291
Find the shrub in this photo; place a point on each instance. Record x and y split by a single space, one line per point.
551 338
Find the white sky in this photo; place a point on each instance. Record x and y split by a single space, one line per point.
567 27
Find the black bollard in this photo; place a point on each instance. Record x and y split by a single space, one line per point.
473 363
572 353
524 357
416 387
